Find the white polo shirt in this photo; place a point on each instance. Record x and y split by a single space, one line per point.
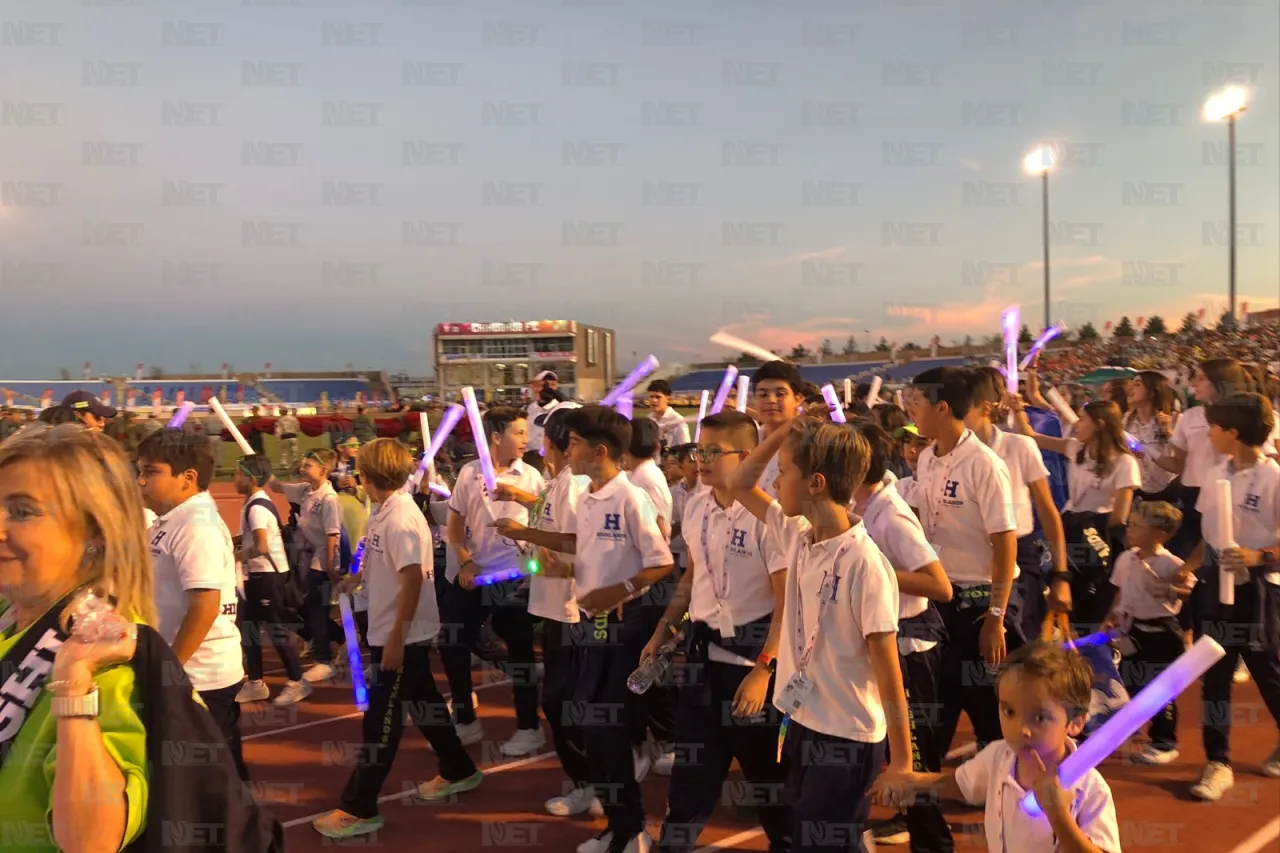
536 432
649 477
899 535
490 551
191 549
260 518
845 701
964 498
679 501
1090 491
672 427
988 778
769 479
1255 491
1191 436
617 536
319 517
1154 478
1132 577
907 489
552 597
733 561
398 537
1021 456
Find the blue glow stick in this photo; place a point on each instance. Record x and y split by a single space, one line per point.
1040 343
180 416
726 384
1166 687
358 686
833 403
643 369
504 575
357 556
1134 445
1101 638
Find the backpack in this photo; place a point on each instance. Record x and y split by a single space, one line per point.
293 591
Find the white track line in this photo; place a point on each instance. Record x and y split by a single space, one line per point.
476 689
532 759
748 834
1268 833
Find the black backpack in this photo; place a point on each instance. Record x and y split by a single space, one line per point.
293 591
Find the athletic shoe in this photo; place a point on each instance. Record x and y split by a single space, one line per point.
525 742
1271 767
1152 755
1241 675
643 763
575 802
599 844
642 843
470 733
339 824
253 691
475 703
1215 781
319 672
662 767
441 788
294 692
892 831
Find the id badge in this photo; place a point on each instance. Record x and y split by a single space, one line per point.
725 618
794 694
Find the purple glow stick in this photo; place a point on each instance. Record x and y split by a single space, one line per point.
1040 343
1009 323
441 490
180 416
1149 701
643 369
730 374
702 413
833 403
481 439
625 406
452 415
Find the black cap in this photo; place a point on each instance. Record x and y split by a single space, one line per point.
83 401
554 426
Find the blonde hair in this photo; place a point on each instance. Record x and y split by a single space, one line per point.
324 456
836 451
385 464
1161 515
96 492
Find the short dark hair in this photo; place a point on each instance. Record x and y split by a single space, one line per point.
599 425
646 439
890 417
181 452
257 467
57 415
809 389
883 449
661 386
1250 415
497 419
555 430
738 428
778 369
948 385
985 383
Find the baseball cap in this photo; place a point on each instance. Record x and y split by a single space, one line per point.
351 441
545 375
559 406
908 430
83 401
554 424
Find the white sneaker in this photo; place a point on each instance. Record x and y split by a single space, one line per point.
642 843
643 763
1271 767
1150 755
1241 675
319 672
294 692
599 844
575 802
471 733
662 767
525 742
253 691
475 703
1215 781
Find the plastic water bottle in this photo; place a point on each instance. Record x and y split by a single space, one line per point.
655 668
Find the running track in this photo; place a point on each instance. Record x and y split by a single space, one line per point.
300 757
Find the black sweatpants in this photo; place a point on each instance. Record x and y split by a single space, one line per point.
826 789
1156 644
707 740
921 675
655 709
1032 582
225 711
263 621
410 688
559 678
321 629
463 612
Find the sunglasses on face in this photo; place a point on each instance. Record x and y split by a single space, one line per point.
713 454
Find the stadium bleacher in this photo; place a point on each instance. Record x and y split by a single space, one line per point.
35 388
821 374
311 390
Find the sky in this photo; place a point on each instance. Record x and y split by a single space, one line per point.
314 184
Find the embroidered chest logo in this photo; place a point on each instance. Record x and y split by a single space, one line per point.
613 521
1252 502
738 539
949 490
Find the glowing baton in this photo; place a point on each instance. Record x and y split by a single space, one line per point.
702 413
730 342
1109 737
358 686
357 557
231 428
452 416
833 403
1101 638
744 385
180 416
1134 445
1061 407
441 490
482 439
1226 530
1009 324
625 406
643 369
848 392
1040 343
730 374
873 395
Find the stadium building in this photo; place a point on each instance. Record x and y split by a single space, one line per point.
499 359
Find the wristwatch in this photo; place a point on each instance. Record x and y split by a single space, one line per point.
769 663
997 612
1269 555
85 705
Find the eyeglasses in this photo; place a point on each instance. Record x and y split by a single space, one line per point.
713 454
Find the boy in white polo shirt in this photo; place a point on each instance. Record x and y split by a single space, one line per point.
838 678
965 502
397 572
672 427
778 391
619 552
735 581
195 573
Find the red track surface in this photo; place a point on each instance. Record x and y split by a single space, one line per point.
300 757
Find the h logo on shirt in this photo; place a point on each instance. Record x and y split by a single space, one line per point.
1251 502
739 538
155 543
373 541
613 521
949 490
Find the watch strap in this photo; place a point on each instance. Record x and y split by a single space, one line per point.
629 587
85 705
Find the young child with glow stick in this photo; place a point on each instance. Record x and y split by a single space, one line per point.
1044 692
397 570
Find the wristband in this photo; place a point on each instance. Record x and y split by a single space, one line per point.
997 612
1059 576
629 587
768 662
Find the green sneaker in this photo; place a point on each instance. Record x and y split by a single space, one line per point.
441 788
339 824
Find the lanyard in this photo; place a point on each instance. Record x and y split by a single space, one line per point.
935 514
826 594
720 592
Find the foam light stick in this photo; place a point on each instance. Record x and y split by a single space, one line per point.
481 439
730 374
1009 325
873 394
1040 343
848 392
441 490
1149 701
625 406
643 369
833 403
452 416
702 413
358 686
1101 638
744 386
731 342
231 428
1061 407
180 416
1227 534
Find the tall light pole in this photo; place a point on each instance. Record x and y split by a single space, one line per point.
1227 105
1040 162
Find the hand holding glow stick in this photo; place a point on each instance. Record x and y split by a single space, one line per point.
833 403
702 413
1061 407
873 394
180 415
643 369
730 342
358 686
1040 343
231 428
452 416
744 386
1227 534
1149 701
730 374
